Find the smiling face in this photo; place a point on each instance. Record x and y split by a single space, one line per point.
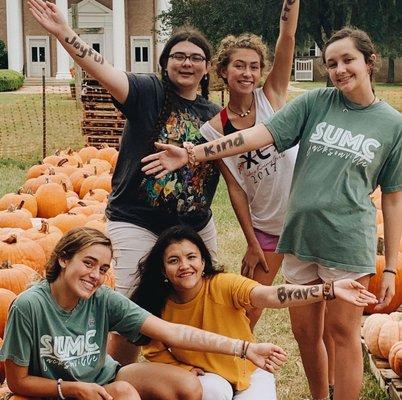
183 268
243 71
186 75
347 67
85 272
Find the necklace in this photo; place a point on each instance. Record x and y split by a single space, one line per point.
351 108
245 113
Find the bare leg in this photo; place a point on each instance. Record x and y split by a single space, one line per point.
274 261
308 327
155 381
344 322
330 346
121 349
122 391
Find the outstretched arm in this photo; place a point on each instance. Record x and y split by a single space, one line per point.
297 295
172 157
264 355
392 211
50 18
276 84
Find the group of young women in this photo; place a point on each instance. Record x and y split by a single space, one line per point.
302 172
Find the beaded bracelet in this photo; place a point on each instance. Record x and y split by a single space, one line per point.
328 291
391 271
59 389
192 160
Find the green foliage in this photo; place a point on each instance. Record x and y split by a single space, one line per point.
3 55
10 80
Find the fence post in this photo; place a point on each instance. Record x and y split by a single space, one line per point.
43 114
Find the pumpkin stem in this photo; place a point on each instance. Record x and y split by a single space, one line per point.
64 186
44 228
21 205
6 264
62 162
82 204
380 246
11 239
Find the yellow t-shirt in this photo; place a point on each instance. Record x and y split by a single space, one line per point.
219 307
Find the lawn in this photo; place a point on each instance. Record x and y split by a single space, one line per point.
21 145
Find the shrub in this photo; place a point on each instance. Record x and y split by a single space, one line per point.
3 55
10 80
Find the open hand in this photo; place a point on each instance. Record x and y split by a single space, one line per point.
266 356
387 291
169 159
353 292
48 16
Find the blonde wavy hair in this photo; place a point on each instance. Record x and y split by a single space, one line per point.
231 43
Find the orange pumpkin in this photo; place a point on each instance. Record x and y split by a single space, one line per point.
15 218
375 282
97 194
16 277
46 236
15 199
98 223
37 170
21 250
395 358
6 298
51 200
68 221
107 153
87 153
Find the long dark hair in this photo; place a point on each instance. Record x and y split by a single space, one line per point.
152 290
183 34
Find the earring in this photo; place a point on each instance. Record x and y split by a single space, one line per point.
205 77
166 280
203 273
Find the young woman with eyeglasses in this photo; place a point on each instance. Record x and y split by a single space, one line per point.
168 110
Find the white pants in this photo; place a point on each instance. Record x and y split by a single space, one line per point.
262 387
131 242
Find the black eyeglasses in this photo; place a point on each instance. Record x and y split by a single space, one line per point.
182 57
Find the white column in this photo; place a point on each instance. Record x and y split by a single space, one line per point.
15 38
119 35
162 36
63 62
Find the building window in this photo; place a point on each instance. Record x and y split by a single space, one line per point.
145 54
96 47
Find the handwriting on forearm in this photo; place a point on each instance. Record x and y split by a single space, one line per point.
212 149
197 339
286 8
285 294
84 50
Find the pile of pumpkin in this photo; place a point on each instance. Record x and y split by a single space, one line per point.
66 190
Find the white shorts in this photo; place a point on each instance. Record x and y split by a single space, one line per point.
131 242
302 272
262 387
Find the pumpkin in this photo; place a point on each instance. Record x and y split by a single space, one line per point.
37 170
87 184
16 277
98 223
21 250
390 333
68 221
16 198
113 161
371 330
107 153
97 194
110 279
375 282
87 153
51 200
78 177
46 236
82 208
15 218
6 298
395 358
102 166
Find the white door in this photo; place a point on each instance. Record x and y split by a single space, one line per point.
38 56
141 55
95 40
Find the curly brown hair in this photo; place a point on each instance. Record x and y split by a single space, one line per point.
231 43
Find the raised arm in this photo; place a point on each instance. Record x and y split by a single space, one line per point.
264 355
50 18
172 157
276 84
281 296
392 211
